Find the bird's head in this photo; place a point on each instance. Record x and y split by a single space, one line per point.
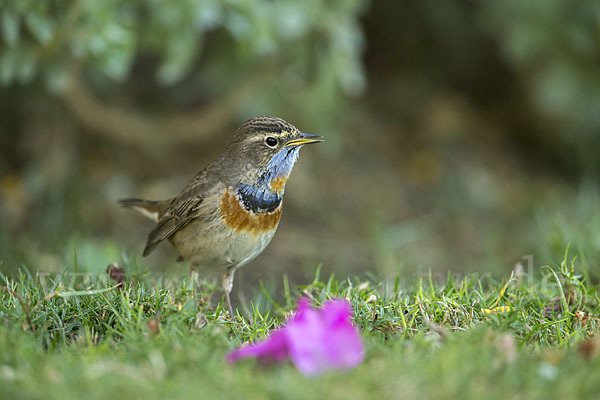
267 148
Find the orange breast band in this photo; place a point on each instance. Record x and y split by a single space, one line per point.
240 219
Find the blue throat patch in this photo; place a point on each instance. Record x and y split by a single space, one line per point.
260 198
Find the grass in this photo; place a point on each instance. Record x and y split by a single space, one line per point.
522 337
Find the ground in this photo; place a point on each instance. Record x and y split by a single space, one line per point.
525 336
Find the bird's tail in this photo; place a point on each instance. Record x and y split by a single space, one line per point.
151 209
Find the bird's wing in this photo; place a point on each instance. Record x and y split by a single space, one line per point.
189 205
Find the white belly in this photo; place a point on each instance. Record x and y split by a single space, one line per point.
219 247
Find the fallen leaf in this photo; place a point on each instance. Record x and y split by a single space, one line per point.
556 302
201 321
116 273
590 348
154 326
582 318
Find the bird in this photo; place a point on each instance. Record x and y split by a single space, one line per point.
229 212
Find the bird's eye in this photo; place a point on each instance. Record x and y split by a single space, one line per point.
271 141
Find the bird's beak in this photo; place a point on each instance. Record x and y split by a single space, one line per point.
304 138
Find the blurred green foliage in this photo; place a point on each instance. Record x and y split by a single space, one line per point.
575 220
554 45
311 48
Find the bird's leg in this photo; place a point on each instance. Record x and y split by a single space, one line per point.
227 284
194 278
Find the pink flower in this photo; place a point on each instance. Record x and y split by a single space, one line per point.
315 340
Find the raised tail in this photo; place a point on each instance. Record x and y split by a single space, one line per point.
151 209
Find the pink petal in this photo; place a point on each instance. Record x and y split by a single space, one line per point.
343 346
337 311
306 334
273 348
325 339
315 340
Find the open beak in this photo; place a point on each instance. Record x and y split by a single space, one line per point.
304 138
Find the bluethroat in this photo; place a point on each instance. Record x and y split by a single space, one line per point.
228 213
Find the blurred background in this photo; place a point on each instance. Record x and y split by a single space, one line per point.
460 135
